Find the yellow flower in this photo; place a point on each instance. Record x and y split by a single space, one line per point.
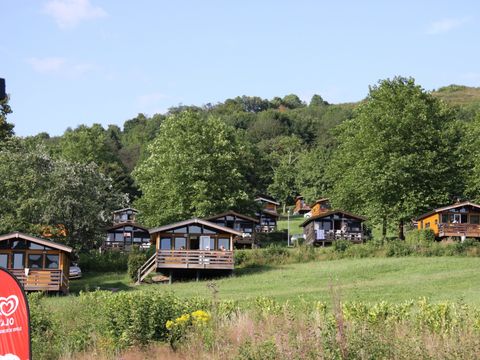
169 324
201 316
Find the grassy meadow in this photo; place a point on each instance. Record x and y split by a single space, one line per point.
368 280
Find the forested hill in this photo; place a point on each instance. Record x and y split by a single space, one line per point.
404 152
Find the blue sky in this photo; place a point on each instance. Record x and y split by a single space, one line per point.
71 62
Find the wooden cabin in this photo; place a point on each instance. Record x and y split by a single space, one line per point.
195 245
39 264
320 206
333 225
125 232
245 224
458 220
268 215
300 206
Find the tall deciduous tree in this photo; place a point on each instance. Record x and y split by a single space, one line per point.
6 129
197 166
395 157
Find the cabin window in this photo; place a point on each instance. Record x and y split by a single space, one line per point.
445 218
4 261
194 229
51 261
464 218
181 230
427 225
475 219
35 246
35 261
165 243
5 244
19 244
17 261
207 230
207 243
223 244
180 243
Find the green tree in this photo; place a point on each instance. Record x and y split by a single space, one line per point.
317 100
469 159
6 129
196 167
395 157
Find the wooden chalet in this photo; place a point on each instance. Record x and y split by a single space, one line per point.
39 264
194 245
458 220
268 215
320 206
125 232
300 206
323 229
245 224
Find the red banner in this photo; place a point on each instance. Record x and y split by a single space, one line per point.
14 319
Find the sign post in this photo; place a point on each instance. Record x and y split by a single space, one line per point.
14 319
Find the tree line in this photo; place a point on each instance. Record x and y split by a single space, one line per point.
390 157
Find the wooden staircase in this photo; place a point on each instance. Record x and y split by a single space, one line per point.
147 268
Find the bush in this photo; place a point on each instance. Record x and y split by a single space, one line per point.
110 261
398 248
341 245
425 236
136 259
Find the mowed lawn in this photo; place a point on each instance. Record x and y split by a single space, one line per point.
371 280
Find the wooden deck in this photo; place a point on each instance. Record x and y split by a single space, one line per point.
42 280
331 236
194 259
467 230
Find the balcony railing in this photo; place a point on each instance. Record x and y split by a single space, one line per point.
42 279
333 235
194 259
468 230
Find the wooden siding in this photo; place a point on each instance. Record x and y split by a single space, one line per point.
42 280
430 222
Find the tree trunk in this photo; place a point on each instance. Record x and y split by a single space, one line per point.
384 229
285 207
401 234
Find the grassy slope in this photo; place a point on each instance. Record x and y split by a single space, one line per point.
375 279
295 222
459 95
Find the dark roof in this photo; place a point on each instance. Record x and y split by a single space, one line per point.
233 213
328 213
267 198
271 213
195 221
319 201
45 242
125 209
454 206
127 223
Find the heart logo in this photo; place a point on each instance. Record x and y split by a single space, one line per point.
8 305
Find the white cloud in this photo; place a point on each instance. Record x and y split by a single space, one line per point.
69 13
59 66
446 25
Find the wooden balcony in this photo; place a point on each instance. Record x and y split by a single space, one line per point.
333 235
42 280
467 230
194 259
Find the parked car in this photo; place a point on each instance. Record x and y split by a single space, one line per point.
75 271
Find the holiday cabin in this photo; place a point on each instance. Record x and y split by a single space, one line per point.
323 229
320 206
300 206
239 222
268 215
125 232
194 245
39 264
458 220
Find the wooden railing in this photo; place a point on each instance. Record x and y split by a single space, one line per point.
194 259
459 230
147 268
42 280
333 235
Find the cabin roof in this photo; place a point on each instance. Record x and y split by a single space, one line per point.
449 207
233 213
49 243
268 199
126 223
125 209
195 221
271 213
320 201
328 213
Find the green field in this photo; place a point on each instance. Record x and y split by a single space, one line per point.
371 280
295 222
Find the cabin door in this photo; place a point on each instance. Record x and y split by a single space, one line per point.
457 219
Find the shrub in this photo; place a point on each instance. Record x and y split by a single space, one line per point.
110 261
398 248
341 245
136 259
424 236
